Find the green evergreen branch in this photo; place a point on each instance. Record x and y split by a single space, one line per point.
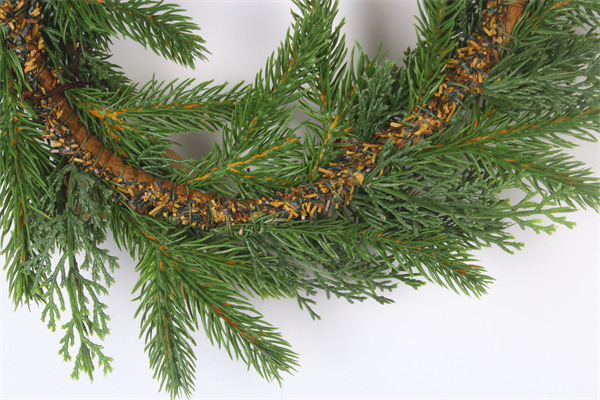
436 42
550 17
380 94
283 80
167 326
73 224
325 101
302 260
92 64
137 123
182 285
23 168
155 24
164 108
512 152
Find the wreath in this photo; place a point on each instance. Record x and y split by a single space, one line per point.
343 175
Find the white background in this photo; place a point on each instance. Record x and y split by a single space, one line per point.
535 335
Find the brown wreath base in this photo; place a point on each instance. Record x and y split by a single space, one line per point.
177 203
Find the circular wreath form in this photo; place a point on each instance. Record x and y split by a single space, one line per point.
397 177
150 195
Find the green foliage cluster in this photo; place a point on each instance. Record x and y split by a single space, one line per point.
421 221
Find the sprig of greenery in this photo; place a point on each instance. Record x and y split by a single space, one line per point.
155 24
436 43
263 121
75 226
182 288
137 122
24 165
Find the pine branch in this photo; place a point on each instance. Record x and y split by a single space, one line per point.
167 326
24 166
284 81
137 123
155 24
177 293
82 59
436 43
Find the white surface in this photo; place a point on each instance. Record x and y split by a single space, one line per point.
534 336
